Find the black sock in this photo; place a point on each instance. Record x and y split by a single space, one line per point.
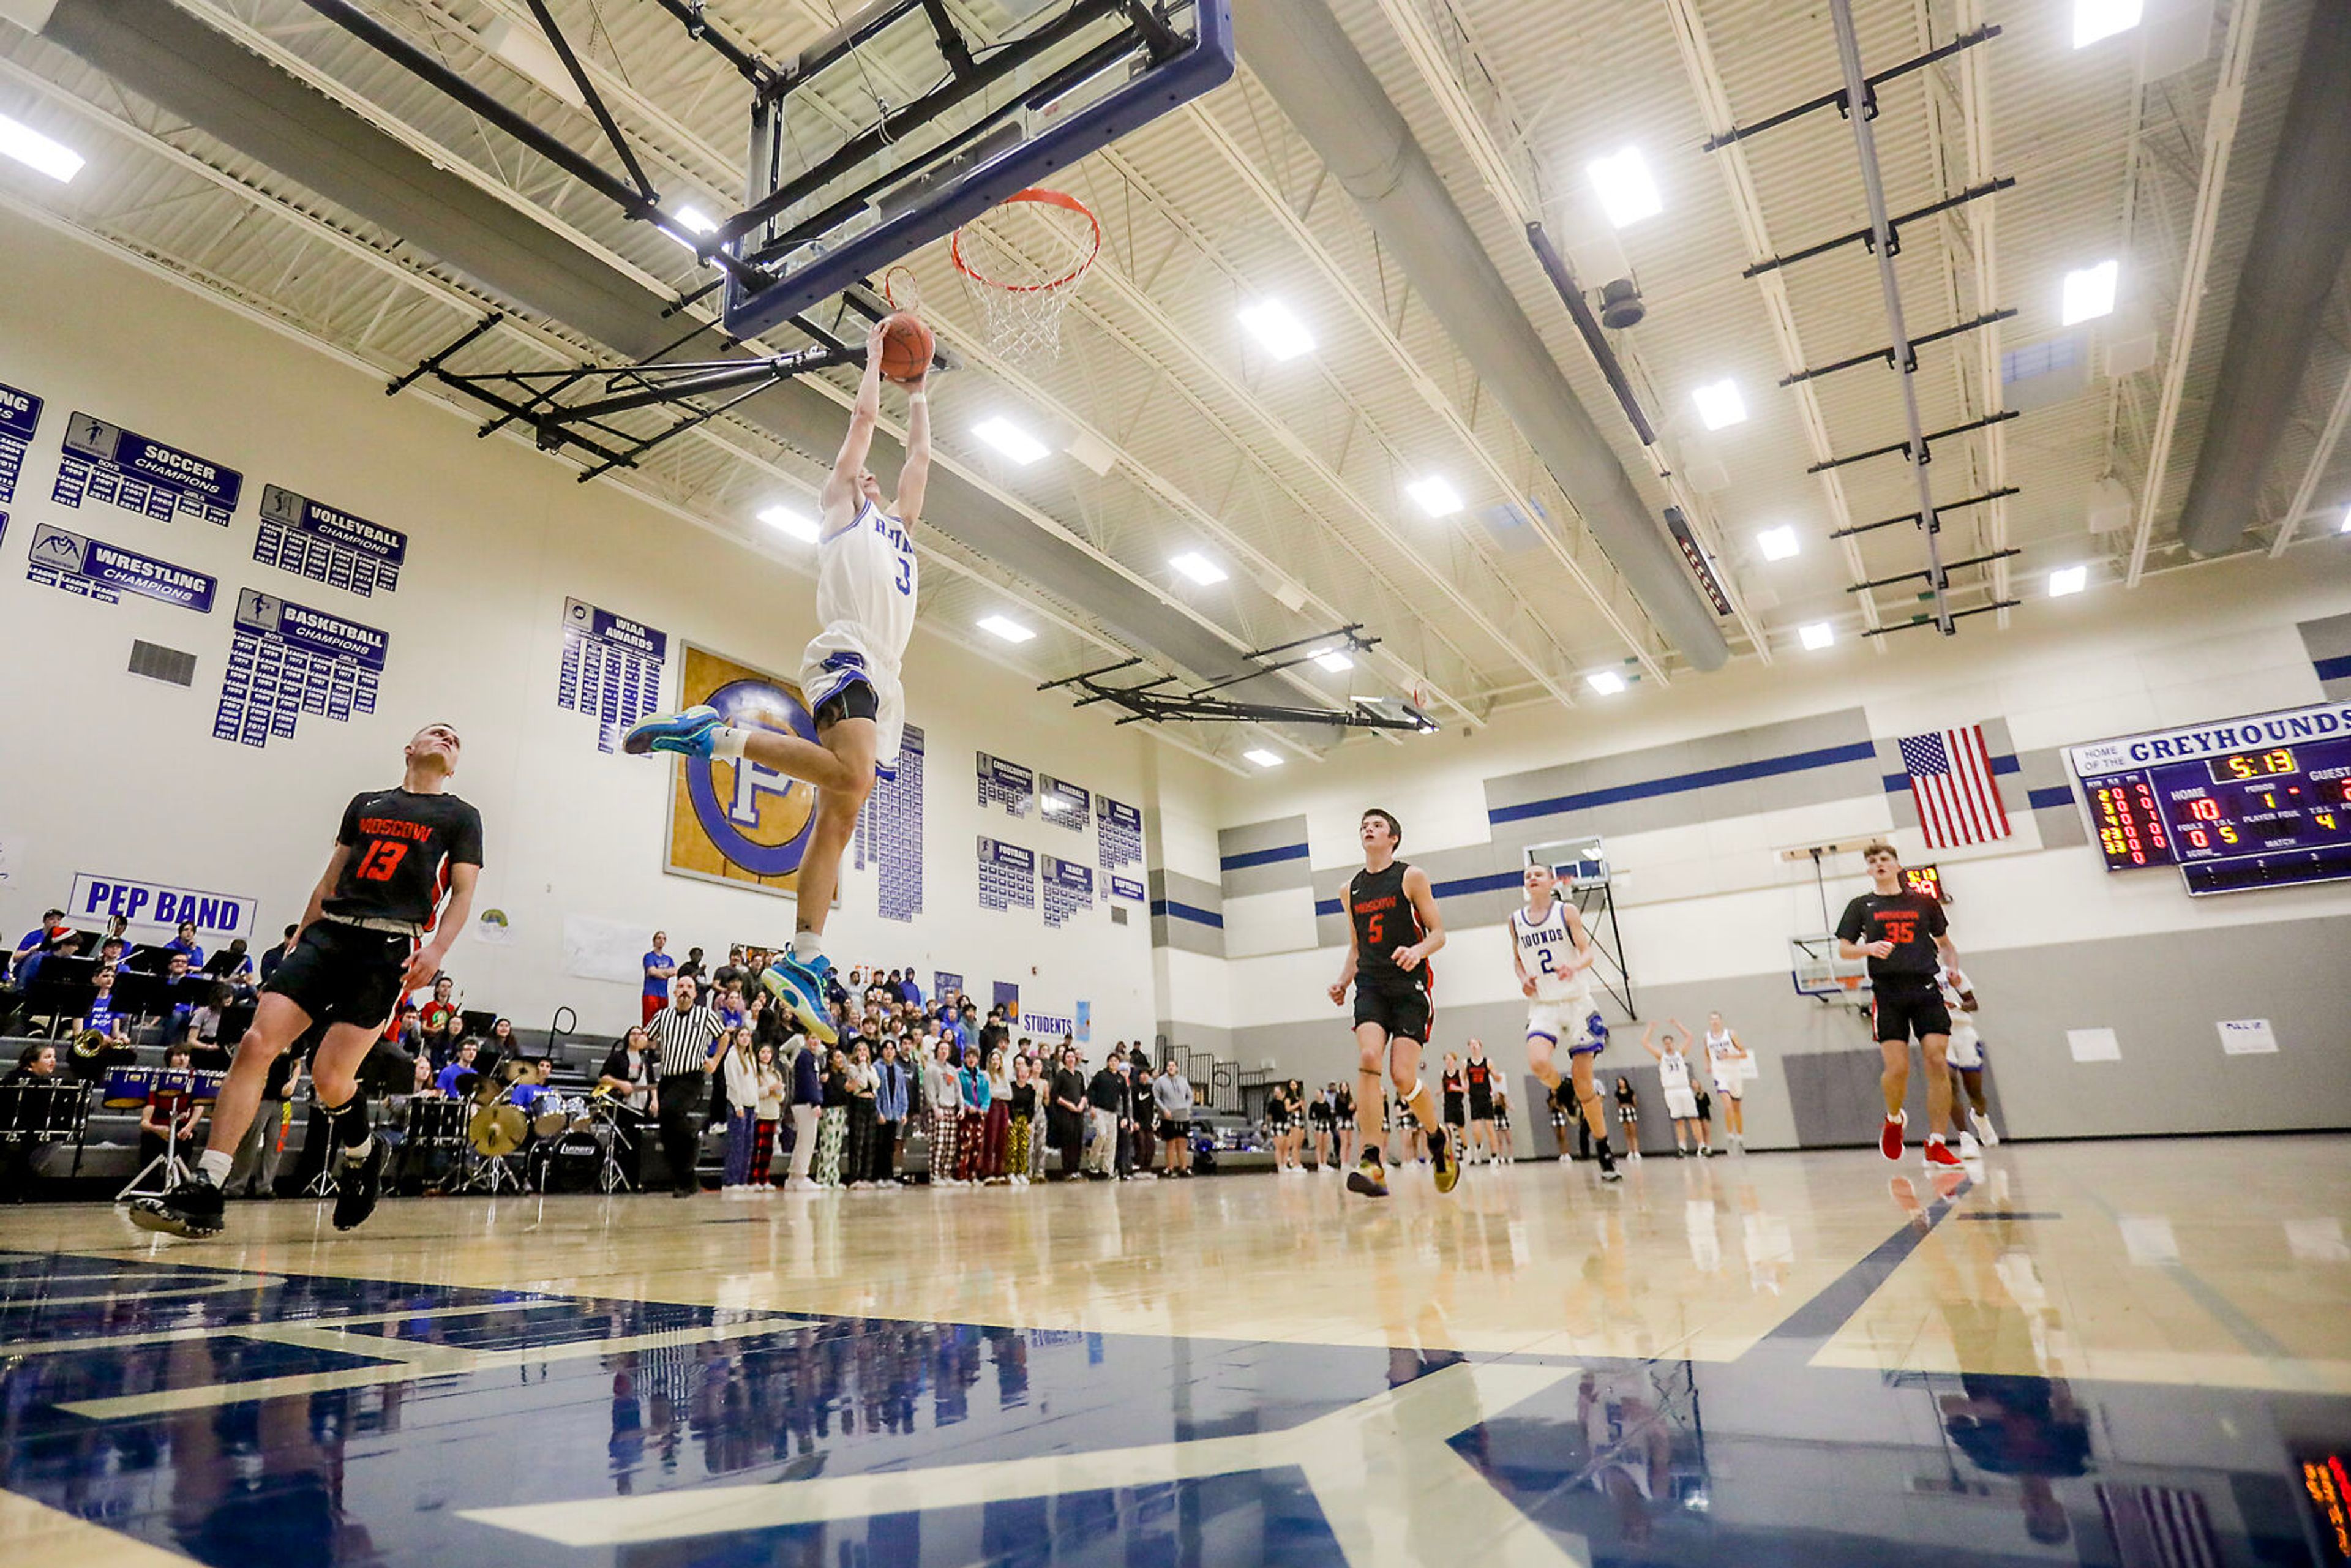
1370 1157
349 1121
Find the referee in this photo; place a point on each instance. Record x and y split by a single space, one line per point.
683 1035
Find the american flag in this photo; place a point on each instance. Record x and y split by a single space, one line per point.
1951 777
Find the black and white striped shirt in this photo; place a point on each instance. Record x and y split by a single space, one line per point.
685 1038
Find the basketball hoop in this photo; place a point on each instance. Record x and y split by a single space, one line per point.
1024 266
900 287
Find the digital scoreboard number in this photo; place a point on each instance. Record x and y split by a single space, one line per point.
2245 804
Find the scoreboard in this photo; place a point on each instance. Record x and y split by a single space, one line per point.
2248 803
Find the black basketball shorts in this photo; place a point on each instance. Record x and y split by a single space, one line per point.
1899 1008
342 974
1402 1010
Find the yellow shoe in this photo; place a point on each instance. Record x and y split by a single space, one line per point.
1443 1162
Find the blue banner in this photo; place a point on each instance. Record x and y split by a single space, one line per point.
1007 875
20 415
1006 784
1132 891
1064 804
1120 838
287 660
121 468
95 570
1068 888
611 670
327 544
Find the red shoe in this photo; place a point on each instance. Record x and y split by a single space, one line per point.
1939 1155
1889 1137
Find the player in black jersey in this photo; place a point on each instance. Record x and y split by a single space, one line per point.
376 928
1908 941
1393 926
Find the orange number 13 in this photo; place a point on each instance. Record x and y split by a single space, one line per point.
383 857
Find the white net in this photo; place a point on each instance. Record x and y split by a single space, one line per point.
1022 264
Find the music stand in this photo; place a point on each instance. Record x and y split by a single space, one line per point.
62 990
174 1169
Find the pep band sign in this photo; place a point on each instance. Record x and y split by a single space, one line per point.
217 916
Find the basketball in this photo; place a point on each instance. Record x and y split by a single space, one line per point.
906 346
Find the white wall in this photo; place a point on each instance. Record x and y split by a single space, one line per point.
104 771
1716 900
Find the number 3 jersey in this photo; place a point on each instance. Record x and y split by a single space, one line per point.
402 847
866 582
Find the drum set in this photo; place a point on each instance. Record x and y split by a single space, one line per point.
507 1134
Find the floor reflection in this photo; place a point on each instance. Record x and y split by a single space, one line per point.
290 1421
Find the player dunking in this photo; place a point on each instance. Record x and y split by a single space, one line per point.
376 928
1902 932
1554 955
1393 927
865 595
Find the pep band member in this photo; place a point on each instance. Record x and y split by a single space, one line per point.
396 890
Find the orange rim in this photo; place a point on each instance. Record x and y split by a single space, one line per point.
1042 197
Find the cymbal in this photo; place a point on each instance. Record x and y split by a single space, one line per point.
497 1130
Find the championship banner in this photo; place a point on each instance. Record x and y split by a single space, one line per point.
339 549
122 469
1069 889
1007 875
1006 784
95 570
286 660
611 670
737 823
20 415
1064 804
889 833
1132 891
1120 838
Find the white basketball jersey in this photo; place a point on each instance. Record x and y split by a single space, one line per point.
865 580
1548 951
1672 1071
1721 1054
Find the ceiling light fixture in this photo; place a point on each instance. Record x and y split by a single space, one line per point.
1011 439
1437 497
1011 630
1780 543
1334 661
799 525
2089 293
35 151
2096 19
527 50
1818 636
1263 758
1279 333
1627 195
1720 404
2068 579
1197 566
1607 682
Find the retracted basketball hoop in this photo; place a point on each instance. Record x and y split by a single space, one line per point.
1022 264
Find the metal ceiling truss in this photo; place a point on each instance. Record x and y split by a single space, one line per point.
1145 700
1514 177
1857 102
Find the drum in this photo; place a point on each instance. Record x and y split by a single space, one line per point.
497 1130
576 1159
128 1088
435 1123
550 1115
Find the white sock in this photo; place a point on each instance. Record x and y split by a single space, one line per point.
807 946
214 1167
359 1150
728 742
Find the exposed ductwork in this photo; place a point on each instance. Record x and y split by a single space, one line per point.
2297 253
1298 50
156 50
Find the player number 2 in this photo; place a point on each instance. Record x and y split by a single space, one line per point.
1546 961
383 858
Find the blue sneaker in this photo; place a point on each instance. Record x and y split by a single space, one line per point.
689 734
800 988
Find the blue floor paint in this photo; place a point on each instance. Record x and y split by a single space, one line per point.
1765 1461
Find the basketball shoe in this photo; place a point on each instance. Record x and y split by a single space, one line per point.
194 1209
799 987
689 734
1939 1156
1369 1175
1889 1137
